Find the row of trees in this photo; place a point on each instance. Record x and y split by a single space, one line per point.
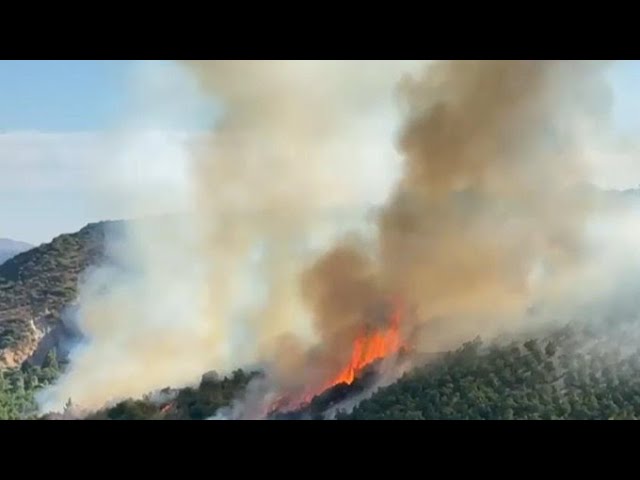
18 386
191 403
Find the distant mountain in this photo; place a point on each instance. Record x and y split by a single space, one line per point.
10 248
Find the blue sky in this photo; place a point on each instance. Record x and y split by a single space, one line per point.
625 81
52 114
51 97
87 95
62 95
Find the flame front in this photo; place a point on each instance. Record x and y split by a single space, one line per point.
367 348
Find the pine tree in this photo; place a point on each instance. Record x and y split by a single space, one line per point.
51 361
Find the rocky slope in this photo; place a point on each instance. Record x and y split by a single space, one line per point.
36 286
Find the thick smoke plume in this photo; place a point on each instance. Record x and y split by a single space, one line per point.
492 190
486 220
285 151
300 151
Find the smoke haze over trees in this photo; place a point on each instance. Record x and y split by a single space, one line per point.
487 226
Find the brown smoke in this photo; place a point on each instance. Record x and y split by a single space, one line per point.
295 143
279 156
490 191
485 221
490 187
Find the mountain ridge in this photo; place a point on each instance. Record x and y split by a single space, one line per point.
36 286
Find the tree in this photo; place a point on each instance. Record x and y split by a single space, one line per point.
531 345
51 360
550 349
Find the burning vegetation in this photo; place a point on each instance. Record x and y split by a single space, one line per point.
484 222
369 347
484 199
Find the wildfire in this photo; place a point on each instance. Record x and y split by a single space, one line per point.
367 348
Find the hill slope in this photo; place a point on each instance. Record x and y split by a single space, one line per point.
571 374
565 375
36 286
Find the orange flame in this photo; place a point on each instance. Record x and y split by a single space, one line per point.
367 348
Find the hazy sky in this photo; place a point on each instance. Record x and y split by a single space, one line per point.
66 127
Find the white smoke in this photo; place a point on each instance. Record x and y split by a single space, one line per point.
300 155
210 287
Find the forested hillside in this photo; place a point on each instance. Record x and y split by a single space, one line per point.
37 285
574 373
571 374
18 386
586 370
